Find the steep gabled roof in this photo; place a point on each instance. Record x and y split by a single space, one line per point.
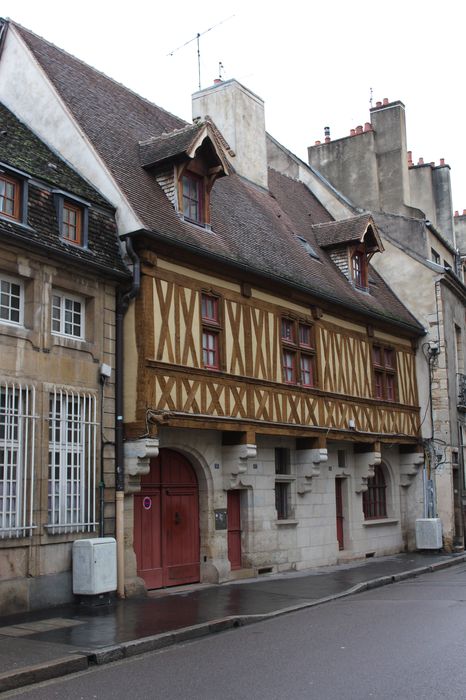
158 149
181 144
354 230
252 228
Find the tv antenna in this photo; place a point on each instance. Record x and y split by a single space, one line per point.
196 39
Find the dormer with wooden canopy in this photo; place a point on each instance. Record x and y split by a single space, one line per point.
186 162
351 243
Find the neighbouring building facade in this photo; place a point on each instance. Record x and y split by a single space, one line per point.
59 268
271 410
411 204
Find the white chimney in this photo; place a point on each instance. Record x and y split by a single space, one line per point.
239 114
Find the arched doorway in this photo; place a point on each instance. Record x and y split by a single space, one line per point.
166 522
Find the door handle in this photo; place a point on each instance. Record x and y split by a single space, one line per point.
177 518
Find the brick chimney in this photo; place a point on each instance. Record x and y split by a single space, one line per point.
239 114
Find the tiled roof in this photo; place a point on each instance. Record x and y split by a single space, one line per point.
346 231
251 227
22 150
160 148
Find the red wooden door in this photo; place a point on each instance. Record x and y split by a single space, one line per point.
147 537
339 512
234 528
166 523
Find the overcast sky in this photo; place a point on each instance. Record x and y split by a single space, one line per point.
314 64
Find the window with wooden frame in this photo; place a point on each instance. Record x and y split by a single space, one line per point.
71 224
383 359
298 352
73 218
211 329
192 197
359 269
374 500
10 197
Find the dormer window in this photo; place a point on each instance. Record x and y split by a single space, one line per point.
351 243
73 218
71 228
186 163
10 197
193 195
14 194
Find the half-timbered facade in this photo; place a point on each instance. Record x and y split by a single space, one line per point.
270 409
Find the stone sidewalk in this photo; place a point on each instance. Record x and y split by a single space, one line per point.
49 643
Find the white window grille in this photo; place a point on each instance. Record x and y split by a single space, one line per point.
72 462
11 301
68 315
17 437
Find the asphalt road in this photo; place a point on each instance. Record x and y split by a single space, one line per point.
406 641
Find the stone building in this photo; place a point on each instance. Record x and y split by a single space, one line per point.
59 268
271 409
411 204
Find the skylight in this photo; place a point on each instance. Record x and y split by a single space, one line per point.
307 247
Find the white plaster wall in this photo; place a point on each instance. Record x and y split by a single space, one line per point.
282 160
27 92
309 538
413 283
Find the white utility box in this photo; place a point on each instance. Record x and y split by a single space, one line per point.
429 533
94 566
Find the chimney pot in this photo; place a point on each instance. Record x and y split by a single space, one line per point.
464 212
420 161
217 81
385 101
367 126
317 143
410 159
352 132
327 139
359 129
456 213
442 161
378 104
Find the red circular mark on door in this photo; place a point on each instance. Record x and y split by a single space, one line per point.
147 502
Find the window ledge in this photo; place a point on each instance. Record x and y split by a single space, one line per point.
73 343
197 224
380 521
293 523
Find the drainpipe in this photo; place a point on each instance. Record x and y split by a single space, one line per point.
123 301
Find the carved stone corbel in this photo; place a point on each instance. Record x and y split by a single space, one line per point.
364 465
235 464
138 454
308 466
410 463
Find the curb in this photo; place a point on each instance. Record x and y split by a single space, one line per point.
80 662
43 672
